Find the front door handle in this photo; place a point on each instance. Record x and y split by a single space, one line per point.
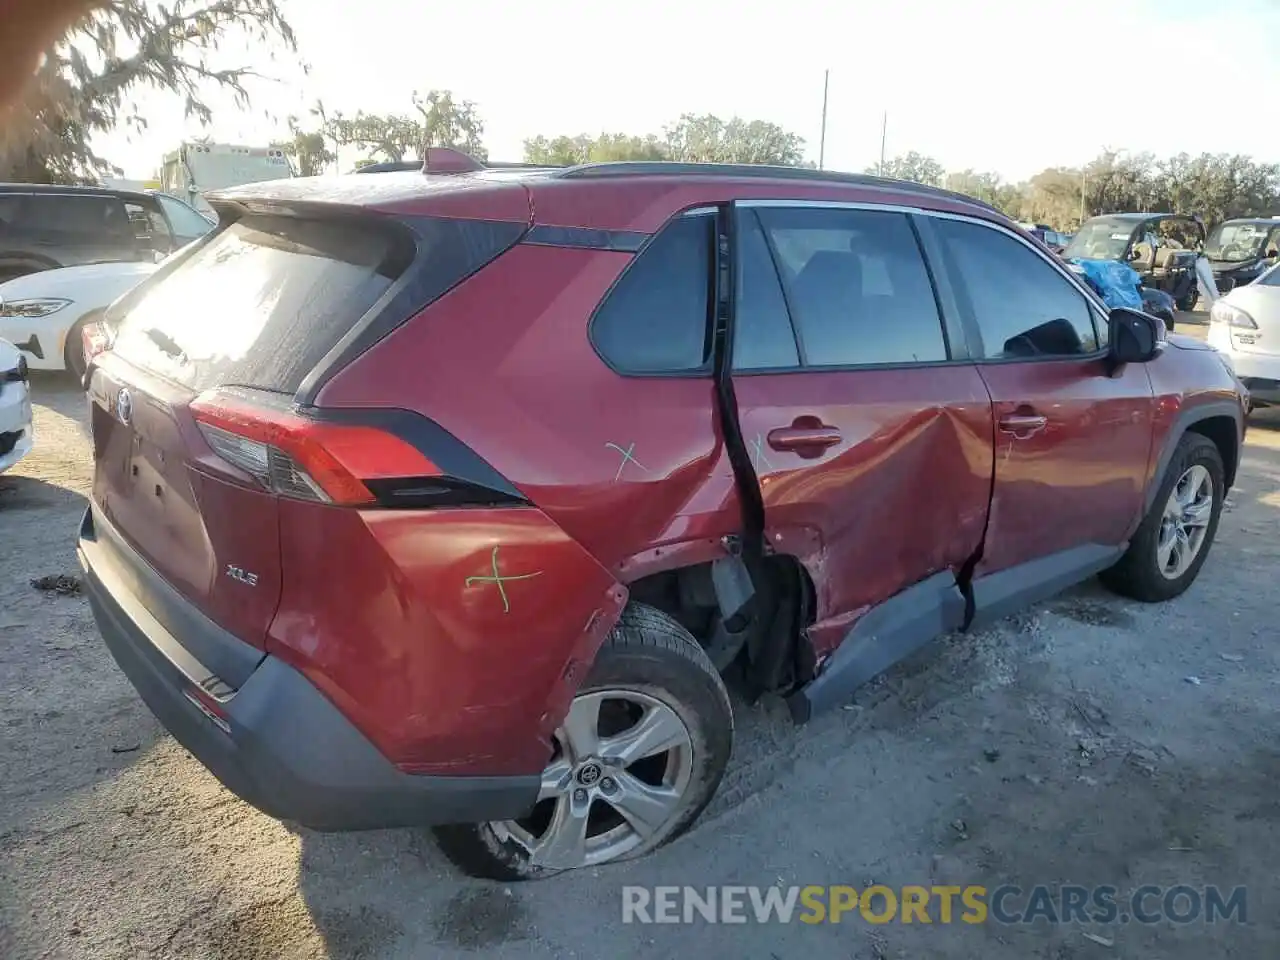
1023 425
803 439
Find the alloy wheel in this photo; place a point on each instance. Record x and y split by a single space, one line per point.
1185 522
615 785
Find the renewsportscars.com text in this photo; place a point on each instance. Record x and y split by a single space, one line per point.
972 904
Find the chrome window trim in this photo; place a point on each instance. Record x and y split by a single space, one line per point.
833 205
1091 298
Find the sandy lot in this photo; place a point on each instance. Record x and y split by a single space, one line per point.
1066 745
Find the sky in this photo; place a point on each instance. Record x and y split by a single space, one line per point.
1011 86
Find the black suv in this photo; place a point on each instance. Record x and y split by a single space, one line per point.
42 226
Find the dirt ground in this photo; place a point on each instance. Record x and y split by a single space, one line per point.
1088 741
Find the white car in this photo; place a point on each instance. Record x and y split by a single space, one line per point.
43 313
15 406
1244 326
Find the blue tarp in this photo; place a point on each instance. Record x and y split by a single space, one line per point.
1117 283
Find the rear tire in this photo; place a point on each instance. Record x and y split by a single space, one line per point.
73 349
650 679
1167 551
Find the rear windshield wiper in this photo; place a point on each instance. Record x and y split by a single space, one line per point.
166 344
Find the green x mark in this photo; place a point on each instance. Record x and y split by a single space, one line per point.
498 579
760 458
626 458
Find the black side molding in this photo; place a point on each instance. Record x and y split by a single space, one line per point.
997 595
584 238
887 634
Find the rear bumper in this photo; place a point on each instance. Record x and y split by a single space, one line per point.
286 749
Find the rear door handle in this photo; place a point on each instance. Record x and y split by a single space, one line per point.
1023 425
806 441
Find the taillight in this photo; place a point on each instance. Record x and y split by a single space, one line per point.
305 459
93 340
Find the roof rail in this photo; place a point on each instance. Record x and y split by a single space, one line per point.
448 160
675 168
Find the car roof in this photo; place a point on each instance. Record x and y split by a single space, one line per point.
1140 217
1269 221
63 190
397 187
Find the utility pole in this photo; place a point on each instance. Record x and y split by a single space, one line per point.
822 140
1084 179
884 130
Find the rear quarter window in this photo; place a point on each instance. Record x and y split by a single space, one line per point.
654 320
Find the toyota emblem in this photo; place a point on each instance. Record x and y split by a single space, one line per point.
124 406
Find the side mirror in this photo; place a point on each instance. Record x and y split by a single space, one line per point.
1135 336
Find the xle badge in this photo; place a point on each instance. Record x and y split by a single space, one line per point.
241 575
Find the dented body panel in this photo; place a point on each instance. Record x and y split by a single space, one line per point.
624 465
1079 479
475 628
902 496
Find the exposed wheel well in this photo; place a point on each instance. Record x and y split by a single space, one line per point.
770 645
1222 431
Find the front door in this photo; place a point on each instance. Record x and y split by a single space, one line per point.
869 431
1073 436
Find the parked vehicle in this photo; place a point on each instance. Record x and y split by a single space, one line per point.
44 227
15 406
449 502
1240 250
1245 326
1161 247
1050 237
45 313
196 167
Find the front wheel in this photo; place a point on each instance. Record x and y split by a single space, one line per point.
637 759
1188 303
1173 540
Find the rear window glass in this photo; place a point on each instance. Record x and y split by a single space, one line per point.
260 304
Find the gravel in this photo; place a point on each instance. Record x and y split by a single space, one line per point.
1063 745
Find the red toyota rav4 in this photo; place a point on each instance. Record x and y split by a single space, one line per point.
447 499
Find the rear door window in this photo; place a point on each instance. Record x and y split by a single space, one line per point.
762 334
150 227
857 285
654 320
261 303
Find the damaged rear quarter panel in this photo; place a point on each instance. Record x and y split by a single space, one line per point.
476 628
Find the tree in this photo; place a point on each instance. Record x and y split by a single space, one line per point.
987 187
389 137
708 139
912 166
449 124
441 122
308 150
88 84
566 151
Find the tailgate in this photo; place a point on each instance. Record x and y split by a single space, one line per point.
214 540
